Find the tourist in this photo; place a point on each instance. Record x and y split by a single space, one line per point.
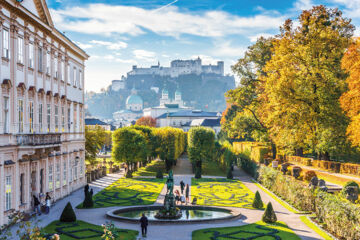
47 203
36 205
182 198
177 196
182 186
187 191
144 224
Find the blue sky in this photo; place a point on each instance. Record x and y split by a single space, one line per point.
120 33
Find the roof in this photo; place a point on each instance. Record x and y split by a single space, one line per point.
134 99
94 121
189 113
169 105
127 111
164 91
206 122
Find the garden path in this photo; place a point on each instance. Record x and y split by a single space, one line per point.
291 219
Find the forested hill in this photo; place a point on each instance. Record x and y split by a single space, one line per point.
204 92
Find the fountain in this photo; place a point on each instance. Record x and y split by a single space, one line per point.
169 210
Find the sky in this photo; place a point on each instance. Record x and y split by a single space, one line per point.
118 34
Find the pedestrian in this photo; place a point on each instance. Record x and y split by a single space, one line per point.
144 224
36 205
48 203
182 186
177 196
187 191
182 198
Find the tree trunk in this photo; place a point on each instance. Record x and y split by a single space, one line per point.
299 152
274 150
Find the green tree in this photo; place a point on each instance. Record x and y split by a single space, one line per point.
129 146
94 141
303 82
201 142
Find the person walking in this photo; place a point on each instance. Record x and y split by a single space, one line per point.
144 224
182 186
36 205
187 192
48 203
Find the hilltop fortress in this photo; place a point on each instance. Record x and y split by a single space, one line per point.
180 67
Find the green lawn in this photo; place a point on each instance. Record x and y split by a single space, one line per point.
151 169
129 191
212 168
84 230
221 192
258 230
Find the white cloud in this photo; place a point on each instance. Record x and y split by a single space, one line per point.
110 45
144 55
254 38
352 7
206 60
83 45
226 49
303 5
107 19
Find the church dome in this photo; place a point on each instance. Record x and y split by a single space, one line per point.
177 92
134 99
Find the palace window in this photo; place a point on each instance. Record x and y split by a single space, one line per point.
56 118
20 50
69 118
31 55
62 71
75 118
82 168
21 115
68 75
40 59
6 114
48 117
71 171
74 77
40 117
81 119
7 193
57 175
76 168
22 188
65 174
62 118
51 177
42 180
31 116
48 61
56 67
80 79
6 43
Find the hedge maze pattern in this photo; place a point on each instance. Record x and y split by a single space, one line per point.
222 192
82 233
127 192
269 233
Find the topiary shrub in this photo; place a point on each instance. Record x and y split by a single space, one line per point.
197 173
257 203
159 174
269 215
296 171
229 174
88 201
68 214
308 175
128 174
349 184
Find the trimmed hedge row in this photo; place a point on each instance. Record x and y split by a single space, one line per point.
331 210
256 151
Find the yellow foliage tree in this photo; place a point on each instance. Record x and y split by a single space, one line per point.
350 100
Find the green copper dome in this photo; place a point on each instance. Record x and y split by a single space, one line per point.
134 99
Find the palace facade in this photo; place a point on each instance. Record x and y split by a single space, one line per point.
41 108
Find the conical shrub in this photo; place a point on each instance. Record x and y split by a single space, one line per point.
68 214
257 203
269 215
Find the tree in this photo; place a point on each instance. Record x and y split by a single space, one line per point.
350 100
94 141
146 121
201 142
269 215
257 203
129 146
147 132
303 82
242 120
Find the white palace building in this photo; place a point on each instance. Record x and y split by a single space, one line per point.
41 108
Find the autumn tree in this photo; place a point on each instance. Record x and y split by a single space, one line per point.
146 121
350 100
242 119
303 82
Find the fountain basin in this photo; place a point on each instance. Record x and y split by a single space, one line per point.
190 214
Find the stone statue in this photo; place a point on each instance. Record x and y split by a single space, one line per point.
322 185
314 182
170 183
352 193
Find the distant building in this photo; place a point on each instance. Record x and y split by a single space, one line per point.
183 119
117 85
165 99
93 122
133 111
205 122
180 67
